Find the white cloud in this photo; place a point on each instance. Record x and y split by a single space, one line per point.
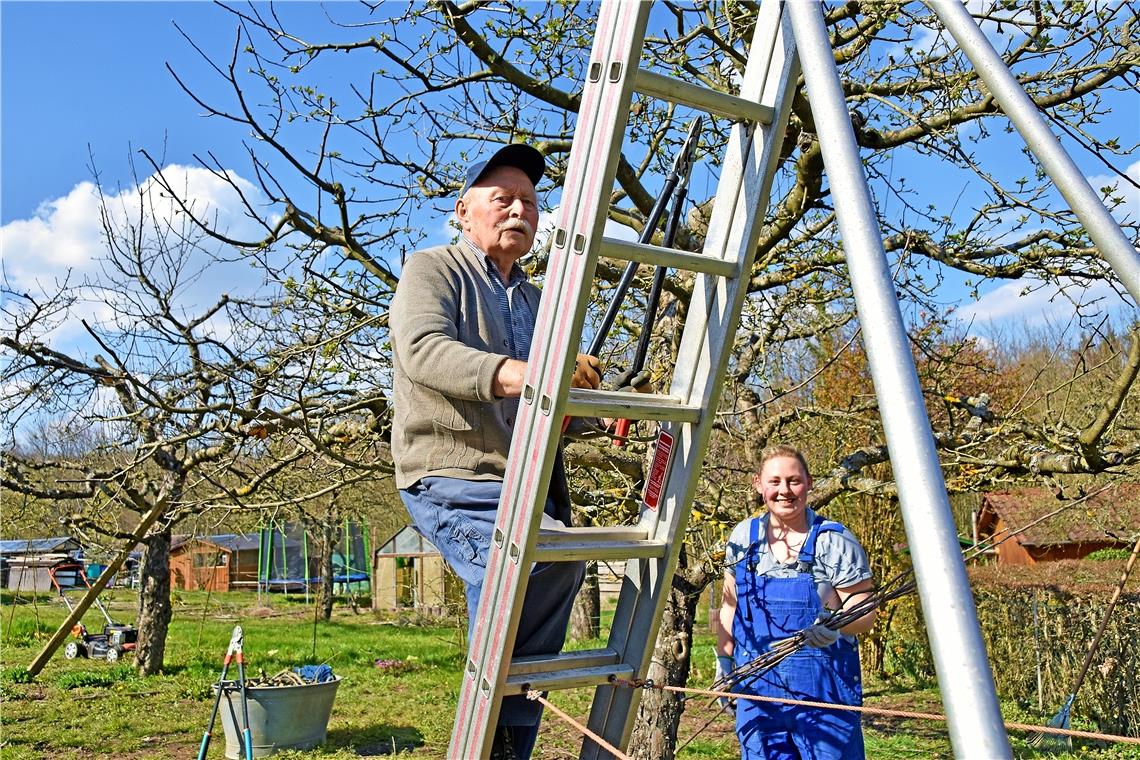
1129 210
65 241
66 233
1034 303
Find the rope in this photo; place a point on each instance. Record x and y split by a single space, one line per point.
871 710
537 697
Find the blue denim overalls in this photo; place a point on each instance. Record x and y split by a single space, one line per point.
768 609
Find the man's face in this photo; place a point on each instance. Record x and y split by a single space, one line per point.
500 213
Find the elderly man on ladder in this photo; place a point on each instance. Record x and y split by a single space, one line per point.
461 322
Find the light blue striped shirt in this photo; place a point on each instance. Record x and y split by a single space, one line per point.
515 312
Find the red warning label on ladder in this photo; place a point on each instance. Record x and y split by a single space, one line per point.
658 469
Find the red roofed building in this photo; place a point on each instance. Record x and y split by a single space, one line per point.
1111 519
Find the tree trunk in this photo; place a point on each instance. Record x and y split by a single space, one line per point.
324 559
154 603
585 618
873 650
659 715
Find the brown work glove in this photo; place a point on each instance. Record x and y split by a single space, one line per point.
587 373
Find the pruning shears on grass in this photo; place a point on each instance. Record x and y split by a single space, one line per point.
233 649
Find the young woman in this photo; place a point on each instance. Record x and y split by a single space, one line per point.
784 571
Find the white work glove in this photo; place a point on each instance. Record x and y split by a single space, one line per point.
641 383
724 668
820 636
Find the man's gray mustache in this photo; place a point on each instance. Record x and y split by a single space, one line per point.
516 224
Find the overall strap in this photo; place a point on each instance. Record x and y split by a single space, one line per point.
754 532
746 574
750 553
807 551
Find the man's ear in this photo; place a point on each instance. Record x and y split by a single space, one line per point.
461 212
756 481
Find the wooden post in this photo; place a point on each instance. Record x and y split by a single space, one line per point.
92 593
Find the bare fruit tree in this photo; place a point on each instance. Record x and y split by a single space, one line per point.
175 396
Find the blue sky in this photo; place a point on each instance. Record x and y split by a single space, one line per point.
90 76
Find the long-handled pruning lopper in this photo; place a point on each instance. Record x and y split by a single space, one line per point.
235 646
675 190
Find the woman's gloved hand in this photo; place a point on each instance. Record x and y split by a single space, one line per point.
724 668
820 636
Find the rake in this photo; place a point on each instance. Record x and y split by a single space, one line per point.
1053 742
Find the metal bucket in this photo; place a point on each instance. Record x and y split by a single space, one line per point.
280 717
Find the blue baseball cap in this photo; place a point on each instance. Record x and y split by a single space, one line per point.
518 155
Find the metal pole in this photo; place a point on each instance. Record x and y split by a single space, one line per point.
964 676
1026 117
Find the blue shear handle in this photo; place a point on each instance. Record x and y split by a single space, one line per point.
205 745
248 743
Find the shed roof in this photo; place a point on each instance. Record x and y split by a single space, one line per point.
38 545
237 541
229 541
1113 511
407 541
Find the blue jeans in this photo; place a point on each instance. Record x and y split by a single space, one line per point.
458 518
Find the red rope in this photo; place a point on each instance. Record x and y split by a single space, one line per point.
537 697
875 711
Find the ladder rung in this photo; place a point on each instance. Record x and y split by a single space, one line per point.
625 405
720 103
572 678
666 257
593 533
573 544
548 663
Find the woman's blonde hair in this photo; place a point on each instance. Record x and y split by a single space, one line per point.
782 450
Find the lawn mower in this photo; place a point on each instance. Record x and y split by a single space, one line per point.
109 645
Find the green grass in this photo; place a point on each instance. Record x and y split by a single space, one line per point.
93 709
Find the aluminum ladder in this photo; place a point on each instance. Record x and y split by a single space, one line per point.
651 548
783 34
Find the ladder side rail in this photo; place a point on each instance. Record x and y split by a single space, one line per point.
474 715
1104 230
714 314
538 423
964 677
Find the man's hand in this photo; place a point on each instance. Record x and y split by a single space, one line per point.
587 373
508 379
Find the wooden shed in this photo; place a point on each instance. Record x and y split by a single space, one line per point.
214 563
1109 519
24 563
409 573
